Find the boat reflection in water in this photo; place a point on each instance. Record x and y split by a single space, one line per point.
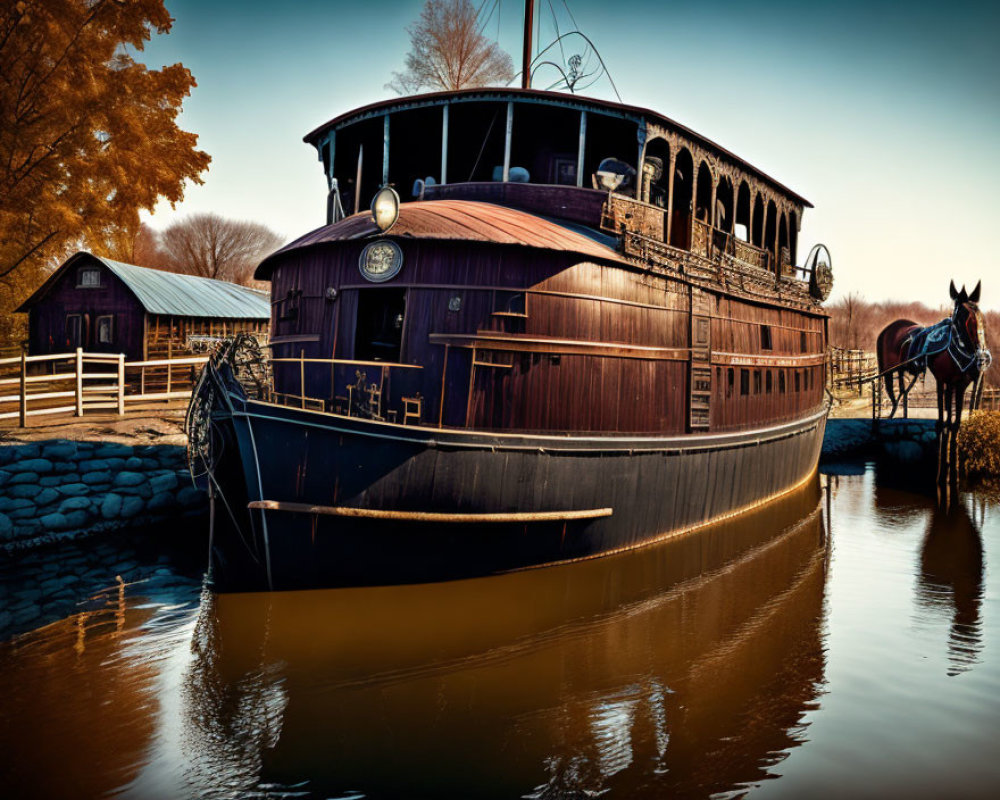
687 667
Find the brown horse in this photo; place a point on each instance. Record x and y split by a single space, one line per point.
954 349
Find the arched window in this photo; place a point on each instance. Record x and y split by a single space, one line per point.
743 204
724 205
771 227
655 173
703 195
793 235
757 234
680 231
784 254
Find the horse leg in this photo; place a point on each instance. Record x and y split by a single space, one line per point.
901 377
906 393
959 402
892 395
941 438
944 432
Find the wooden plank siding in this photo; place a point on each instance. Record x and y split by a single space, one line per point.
47 320
589 347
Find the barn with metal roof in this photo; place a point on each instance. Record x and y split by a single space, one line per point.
109 306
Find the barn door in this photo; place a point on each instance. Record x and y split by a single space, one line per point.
700 369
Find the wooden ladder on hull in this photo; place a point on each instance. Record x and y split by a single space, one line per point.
700 366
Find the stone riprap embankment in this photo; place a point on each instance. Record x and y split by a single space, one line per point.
61 489
898 439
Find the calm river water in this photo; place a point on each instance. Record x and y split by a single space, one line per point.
844 642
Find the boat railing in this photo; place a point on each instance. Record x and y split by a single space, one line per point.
375 390
629 217
734 267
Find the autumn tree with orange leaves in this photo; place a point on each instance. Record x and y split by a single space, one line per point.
88 135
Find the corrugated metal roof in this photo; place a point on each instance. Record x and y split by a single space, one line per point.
190 296
170 293
461 220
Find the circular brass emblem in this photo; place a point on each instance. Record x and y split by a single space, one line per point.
381 260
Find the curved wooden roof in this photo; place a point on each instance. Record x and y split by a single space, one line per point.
454 220
552 98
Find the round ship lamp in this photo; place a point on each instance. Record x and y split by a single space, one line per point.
385 208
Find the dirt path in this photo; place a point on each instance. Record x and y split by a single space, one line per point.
157 425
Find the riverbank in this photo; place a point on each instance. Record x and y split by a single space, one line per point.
903 440
61 489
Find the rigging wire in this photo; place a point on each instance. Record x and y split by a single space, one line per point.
486 21
597 53
555 24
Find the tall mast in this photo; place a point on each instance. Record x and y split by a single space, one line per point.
529 19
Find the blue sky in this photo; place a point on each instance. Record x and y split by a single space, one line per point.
885 115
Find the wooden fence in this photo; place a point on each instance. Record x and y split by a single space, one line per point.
991 400
75 383
850 371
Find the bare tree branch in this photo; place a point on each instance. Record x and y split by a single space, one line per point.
448 52
214 247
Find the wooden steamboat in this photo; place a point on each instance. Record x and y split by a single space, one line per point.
582 331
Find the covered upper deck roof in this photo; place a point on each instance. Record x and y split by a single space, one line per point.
621 110
171 293
455 220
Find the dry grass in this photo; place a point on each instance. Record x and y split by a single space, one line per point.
979 444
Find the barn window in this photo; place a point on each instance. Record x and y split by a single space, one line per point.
765 338
73 330
768 382
798 381
756 381
802 341
105 329
781 381
88 278
744 381
729 383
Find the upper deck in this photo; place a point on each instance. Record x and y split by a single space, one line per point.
540 151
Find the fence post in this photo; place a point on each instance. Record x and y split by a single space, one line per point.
121 384
79 381
24 388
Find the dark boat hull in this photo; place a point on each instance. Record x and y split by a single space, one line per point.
630 491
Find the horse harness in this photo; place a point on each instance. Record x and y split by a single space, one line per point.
938 338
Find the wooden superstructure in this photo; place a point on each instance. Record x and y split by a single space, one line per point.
583 331
671 306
